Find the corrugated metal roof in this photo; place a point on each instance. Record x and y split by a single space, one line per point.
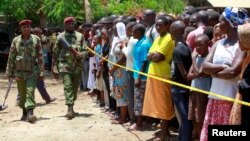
231 3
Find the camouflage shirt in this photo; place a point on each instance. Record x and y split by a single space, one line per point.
29 50
63 59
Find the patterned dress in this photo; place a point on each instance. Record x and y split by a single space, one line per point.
120 86
218 110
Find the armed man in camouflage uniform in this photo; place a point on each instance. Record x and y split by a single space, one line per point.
68 54
25 64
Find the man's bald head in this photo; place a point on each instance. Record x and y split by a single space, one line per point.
38 32
37 29
148 18
149 12
202 37
178 26
202 17
202 42
177 29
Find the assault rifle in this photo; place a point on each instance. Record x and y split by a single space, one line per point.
65 44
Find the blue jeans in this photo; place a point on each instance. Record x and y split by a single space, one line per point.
42 90
180 98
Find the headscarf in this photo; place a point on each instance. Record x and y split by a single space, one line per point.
244 35
121 32
234 16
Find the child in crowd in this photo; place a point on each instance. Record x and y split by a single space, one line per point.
140 64
98 74
197 100
209 31
188 29
92 68
217 35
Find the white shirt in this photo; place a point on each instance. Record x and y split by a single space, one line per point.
151 33
224 55
128 52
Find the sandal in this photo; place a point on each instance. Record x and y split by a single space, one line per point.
115 117
117 122
3 107
133 127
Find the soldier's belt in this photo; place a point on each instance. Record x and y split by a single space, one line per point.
25 65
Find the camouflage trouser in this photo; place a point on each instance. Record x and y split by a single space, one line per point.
26 90
70 83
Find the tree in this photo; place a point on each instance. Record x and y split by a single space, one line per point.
20 9
88 13
52 12
56 11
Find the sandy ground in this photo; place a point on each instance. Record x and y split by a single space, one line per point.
90 125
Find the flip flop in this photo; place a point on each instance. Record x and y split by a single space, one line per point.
116 122
133 128
3 107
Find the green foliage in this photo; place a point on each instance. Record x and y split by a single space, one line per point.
20 9
134 7
98 10
56 10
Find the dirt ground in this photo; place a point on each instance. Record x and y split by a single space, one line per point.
91 125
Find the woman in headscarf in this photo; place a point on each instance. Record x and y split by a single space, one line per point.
223 63
119 89
244 84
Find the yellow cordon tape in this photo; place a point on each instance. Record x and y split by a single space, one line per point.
175 83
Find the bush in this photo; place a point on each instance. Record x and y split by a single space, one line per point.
134 7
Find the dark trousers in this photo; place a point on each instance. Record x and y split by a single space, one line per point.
181 98
48 65
131 82
112 101
245 111
42 90
85 75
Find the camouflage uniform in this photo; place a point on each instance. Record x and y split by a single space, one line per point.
25 63
68 65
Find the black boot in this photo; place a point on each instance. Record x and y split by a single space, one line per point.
31 118
70 114
24 116
75 113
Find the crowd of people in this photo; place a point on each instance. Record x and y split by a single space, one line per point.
204 49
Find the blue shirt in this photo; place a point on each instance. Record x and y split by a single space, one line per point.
98 50
140 52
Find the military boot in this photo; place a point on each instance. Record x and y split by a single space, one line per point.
70 114
24 116
31 118
75 113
